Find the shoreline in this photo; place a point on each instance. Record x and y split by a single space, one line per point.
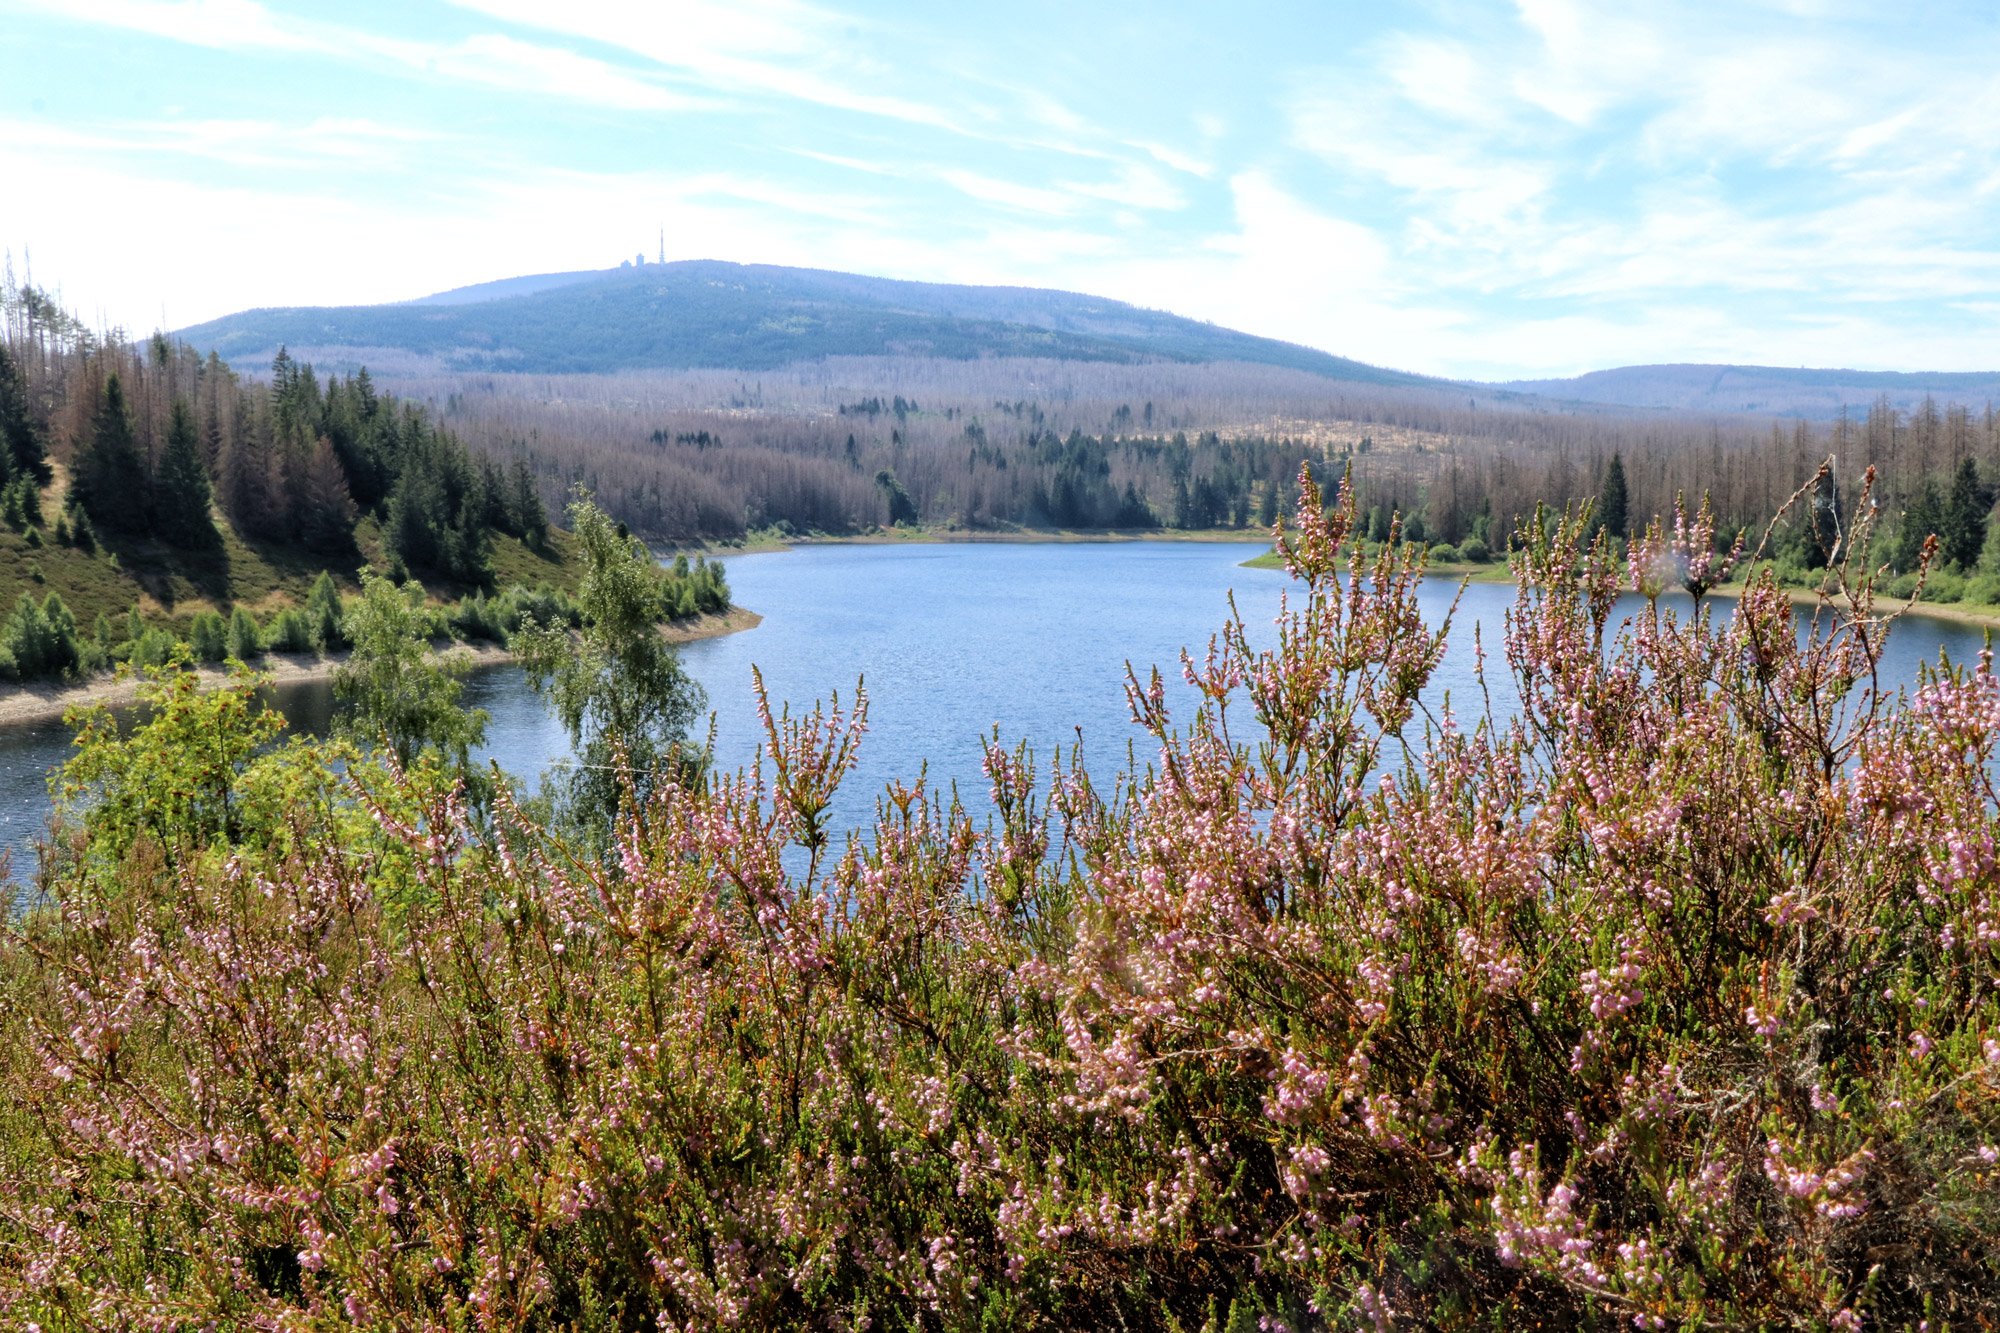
25 705
1025 536
1956 613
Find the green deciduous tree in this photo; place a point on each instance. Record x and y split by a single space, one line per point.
394 691
618 686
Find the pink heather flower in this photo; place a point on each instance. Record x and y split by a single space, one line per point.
1920 1045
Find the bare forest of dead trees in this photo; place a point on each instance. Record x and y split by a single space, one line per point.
847 445
711 455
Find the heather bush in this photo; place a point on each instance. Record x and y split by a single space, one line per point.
1667 1003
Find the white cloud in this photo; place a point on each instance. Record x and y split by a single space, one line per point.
994 191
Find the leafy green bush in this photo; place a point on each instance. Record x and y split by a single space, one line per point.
289 632
153 647
323 614
1903 585
245 643
1983 589
41 639
476 617
546 606
1444 553
1475 551
1944 585
208 636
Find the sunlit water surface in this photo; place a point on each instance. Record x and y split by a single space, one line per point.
953 641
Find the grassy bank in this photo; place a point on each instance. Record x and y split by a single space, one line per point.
47 701
1962 613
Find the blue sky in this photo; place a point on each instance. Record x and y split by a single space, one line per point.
1482 189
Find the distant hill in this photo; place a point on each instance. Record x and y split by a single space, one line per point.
1763 390
707 313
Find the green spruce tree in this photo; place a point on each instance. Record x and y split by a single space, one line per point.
1962 531
20 433
1613 503
110 476
181 493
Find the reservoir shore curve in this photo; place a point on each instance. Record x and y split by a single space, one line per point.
48 702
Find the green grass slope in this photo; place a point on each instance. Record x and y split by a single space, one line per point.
706 313
170 587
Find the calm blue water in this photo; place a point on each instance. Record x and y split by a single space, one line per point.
952 640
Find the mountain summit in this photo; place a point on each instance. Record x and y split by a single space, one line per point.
708 313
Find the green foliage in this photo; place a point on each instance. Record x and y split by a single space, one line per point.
324 614
22 447
1962 525
289 632
181 493
902 509
40 639
394 691
1474 550
1921 519
477 618
173 780
108 473
436 521
21 502
618 688
208 636
1613 501
153 647
245 643
692 588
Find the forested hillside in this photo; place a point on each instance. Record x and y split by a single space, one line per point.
1776 390
706 313
152 491
843 447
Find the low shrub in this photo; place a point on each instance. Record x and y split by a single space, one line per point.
208 636
289 632
1444 553
1944 585
1673 1006
1475 551
246 644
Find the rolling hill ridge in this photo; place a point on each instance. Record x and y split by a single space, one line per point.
713 314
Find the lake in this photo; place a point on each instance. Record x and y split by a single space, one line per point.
953 640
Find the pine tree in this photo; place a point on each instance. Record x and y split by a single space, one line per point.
181 495
1921 519
20 433
1962 529
110 476
526 510
1612 500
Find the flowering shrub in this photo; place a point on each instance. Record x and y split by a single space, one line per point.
1668 1004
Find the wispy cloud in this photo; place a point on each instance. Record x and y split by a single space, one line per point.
1474 187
